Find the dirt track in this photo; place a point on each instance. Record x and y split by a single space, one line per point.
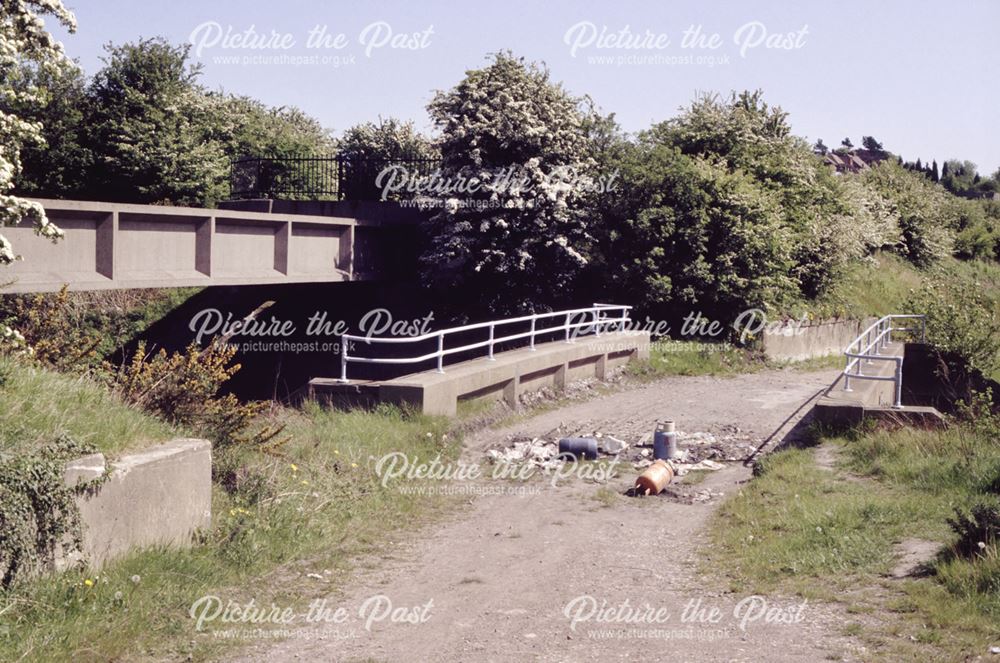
502 572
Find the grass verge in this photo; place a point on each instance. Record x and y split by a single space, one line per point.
310 511
668 357
37 405
833 534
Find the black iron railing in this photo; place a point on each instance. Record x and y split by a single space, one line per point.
319 178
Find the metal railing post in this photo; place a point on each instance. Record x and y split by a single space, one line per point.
569 317
868 345
597 324
491 343
440 353
343 359
532 337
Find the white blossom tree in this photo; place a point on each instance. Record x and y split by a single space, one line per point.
24 39
515 234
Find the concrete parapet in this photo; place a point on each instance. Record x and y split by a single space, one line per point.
505 378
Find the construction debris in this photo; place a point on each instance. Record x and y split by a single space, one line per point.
696 450
612 445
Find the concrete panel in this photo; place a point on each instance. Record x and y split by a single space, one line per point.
314 249
150 249
580 369
622 357
75 257
243 249
159 496
553 378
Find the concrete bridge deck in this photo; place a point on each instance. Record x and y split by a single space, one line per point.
115 245
512 373
873 398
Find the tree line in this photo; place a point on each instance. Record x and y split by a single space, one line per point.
719 208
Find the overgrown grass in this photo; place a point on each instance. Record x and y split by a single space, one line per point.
312 510
875 287
883 284
667 357
37 405
832 534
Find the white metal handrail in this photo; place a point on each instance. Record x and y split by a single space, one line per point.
596 319
875 339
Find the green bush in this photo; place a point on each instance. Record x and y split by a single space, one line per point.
977 526
184 389
38 511
963 323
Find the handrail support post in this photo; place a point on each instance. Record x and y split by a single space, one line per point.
343 359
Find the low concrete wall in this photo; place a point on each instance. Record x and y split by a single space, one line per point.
159 496
795 341
506 378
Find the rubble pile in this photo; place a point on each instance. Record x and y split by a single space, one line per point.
697 450
538 452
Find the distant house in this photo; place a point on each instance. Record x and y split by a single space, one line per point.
853 161
844 162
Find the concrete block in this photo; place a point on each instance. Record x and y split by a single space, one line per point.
559 380
158 496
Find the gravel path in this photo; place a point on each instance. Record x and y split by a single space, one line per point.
502 571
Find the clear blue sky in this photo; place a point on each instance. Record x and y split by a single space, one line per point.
919 75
